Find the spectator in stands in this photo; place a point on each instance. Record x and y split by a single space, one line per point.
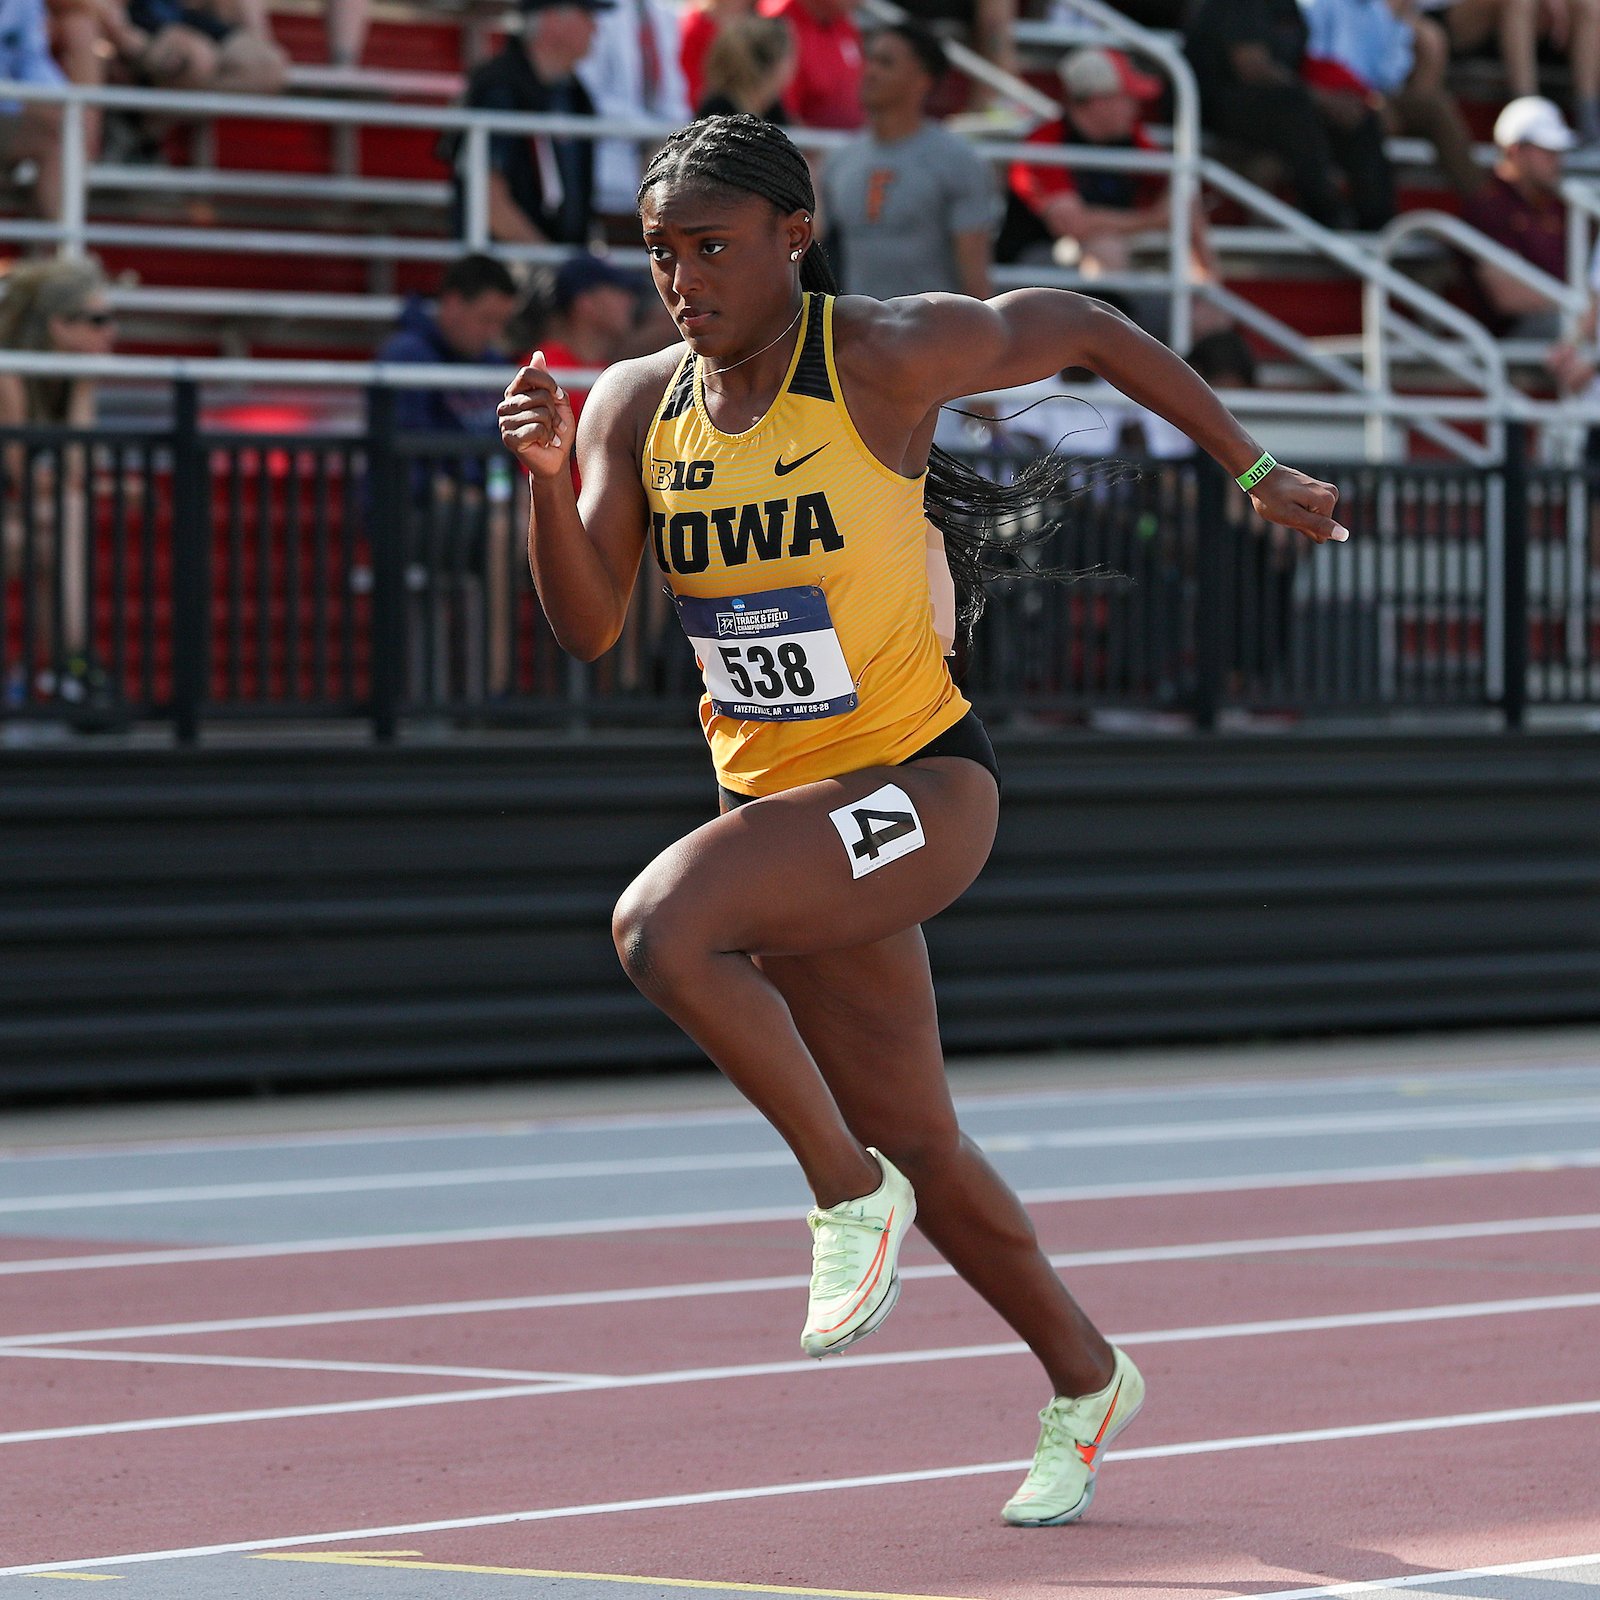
1571 27
541 189
211 46
826 89
57 306
457 517
699 24
910 206
1521 208
1248 56
30 133
631 71
1389 52
985 26
467 324
592 310
748 68
1087 217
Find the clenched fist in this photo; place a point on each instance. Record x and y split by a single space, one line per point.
536 421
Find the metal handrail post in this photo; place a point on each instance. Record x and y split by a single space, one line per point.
1496 375
1375 363
475 197
74 213
1578 214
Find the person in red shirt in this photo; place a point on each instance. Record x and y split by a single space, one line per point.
1086 217
826 89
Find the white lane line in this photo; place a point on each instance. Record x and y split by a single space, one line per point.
1544 1161
147 1358
1419 1080
1427 1580
1232 1130
1469 1310
1073 1259
1257 1441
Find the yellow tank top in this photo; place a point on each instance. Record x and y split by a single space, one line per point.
797 563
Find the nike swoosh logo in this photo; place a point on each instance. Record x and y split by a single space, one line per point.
1087 1452
875 1267
789 466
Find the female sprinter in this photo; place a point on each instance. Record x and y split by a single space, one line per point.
780 471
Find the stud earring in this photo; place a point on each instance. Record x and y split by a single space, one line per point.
794 255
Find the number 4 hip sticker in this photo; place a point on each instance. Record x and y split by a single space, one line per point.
878 829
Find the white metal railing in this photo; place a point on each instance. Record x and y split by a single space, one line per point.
1583 208
1368 267
1513 406
73 232
309 374
1379 317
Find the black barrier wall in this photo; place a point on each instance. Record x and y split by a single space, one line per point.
195 575
238 918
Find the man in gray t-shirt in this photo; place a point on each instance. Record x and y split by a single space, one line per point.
909 206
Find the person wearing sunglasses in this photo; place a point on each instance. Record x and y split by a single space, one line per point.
58 306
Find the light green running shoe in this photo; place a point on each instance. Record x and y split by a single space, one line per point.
1072 1436
854 1247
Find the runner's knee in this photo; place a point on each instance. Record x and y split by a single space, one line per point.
655 942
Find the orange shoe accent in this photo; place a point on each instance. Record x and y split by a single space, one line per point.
1087 1452
868 1284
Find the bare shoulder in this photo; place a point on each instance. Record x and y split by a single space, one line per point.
934 347
912 345
627 395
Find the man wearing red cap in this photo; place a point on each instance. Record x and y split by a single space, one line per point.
1087 217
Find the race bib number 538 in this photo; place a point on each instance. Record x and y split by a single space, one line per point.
772 656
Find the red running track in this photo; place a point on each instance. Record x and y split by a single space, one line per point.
1260 1518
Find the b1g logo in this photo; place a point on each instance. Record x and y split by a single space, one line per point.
681 474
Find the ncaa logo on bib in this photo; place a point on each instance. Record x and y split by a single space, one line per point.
878 829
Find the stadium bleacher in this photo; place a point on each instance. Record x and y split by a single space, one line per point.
386 189
295 232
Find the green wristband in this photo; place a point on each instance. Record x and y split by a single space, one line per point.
1248 480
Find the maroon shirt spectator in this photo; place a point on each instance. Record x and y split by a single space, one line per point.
826 90
1521 208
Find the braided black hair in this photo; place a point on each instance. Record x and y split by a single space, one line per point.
983 522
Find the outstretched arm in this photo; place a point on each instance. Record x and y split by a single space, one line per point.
945 347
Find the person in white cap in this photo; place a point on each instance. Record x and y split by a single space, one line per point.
1521 208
